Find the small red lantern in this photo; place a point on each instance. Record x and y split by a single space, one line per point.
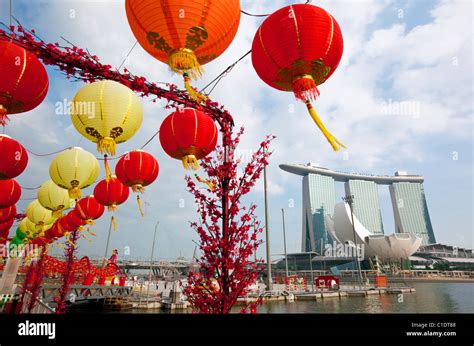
24 82
5 226
14 158
188 135
7 213
137 169
89 209
296 49
111 193
10 193
56 231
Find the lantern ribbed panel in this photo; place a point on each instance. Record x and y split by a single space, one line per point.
39 214
137 168
188 132
53 197
5 226
74 164
10 193
7 213
291 40
23 82
13 158
172 20
106 109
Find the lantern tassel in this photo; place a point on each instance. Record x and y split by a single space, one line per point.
107 168
57 213
305 88
138 188
114 223
90 232
3 116
112 208
139 202
190 162
331 139
107 145
86 238
209 183
75 193
90 222
185 61
196 95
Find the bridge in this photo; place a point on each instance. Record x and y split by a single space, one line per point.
79 293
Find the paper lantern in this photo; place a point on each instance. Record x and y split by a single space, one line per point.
296 49
54 198
111 193
89 209
39 215
184 34
73 221
188 135
74 169
10 193
14 157
5 226
19 234
23 82
7 213
110 113
55 232
137 169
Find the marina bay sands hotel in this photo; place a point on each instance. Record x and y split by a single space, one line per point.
319 199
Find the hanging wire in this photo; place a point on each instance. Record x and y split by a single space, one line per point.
223 74
264 15
30 188
128 54
48 154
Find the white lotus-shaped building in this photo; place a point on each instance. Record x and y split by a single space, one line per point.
394 246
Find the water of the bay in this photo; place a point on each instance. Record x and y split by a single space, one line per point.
438 297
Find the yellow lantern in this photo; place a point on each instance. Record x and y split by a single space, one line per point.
54 198
39 215
74 169
106 113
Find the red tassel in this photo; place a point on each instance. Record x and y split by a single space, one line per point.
305 88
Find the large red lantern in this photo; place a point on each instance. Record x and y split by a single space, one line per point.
188 135
296 49
5 226
23 82
137 169
7 213
10 193
89 209
14 158
111 193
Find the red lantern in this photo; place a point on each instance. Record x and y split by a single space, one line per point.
296 49
14 158
137 169
5 226
89 209
74 221
111 193
7 213
188 135
10 193
23 82
56 231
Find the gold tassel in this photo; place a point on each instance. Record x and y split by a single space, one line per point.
331 139
3 116
209 183
39 226
112 208
114 223
190 162
184 60
138 188
57 213
107 145
75 193
88 239
60 245
139 202
71 242
90 232
107 169
90 222
196 95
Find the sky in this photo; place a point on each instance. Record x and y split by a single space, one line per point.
412 53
